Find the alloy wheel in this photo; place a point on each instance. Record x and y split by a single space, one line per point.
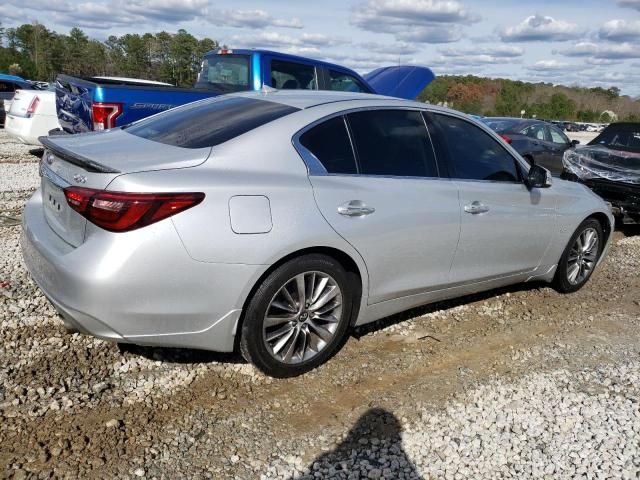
302 317
582 257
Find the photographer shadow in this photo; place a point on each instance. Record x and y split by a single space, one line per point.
372 449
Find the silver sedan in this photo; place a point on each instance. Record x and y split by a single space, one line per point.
273 222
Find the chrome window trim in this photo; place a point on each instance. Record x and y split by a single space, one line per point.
315 167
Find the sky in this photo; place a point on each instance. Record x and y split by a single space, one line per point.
570 42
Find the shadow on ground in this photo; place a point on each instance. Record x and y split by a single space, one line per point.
372 449
180 355
185 355
363 330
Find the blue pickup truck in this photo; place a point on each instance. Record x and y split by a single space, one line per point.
85 104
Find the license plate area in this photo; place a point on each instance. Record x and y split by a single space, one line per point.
68 224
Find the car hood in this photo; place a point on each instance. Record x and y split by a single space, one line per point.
116 151
600 162
404 81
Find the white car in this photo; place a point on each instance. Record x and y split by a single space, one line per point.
32 114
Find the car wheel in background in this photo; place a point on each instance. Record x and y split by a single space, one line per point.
298 316
580 257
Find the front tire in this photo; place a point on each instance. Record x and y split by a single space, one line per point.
298 317
580 257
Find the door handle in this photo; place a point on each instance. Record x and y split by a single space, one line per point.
355 208
476 207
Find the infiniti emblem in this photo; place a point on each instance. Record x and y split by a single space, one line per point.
79 178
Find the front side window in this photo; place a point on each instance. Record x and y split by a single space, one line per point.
472 153
6 87
393 143
329 142
293 76
343 82
210 122
535 131
224 73
558 137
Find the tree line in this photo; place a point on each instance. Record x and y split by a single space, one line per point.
37 53
502 97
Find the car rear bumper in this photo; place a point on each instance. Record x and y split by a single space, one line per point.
27 130
138 287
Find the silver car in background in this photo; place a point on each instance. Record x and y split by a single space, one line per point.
273 222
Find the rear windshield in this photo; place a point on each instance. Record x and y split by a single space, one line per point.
224 73
498 125
208 123
625 136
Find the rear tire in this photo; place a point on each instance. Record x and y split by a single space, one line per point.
580 257
298 317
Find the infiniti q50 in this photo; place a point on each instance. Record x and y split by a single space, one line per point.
273 222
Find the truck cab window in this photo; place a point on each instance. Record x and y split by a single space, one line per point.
293 76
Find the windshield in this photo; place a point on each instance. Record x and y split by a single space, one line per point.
224 73
624 136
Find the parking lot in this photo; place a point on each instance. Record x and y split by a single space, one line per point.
516 383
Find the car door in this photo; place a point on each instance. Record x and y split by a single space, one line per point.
559 142
505 227
376 182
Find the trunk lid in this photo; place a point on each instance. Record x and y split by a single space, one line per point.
93 160
406 81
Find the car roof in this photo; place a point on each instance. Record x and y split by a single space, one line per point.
310 98
13 78
279 55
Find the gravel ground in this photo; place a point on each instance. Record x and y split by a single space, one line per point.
516 383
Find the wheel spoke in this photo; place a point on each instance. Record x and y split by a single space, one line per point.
302 296
322 332
287 295
304 335
274 320
292 346
590 240
283 341
283 306
572 272
326 318
319 289
279 332
329 295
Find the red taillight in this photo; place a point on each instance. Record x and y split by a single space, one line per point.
104 114
33 106
505 138
122 212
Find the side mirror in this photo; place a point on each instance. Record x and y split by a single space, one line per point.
538 177
575 142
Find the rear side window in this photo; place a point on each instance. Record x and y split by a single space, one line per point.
345 83
393 143
208 123
472 153
293 76
330 144
224 73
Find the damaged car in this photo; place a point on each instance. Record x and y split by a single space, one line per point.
610 166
